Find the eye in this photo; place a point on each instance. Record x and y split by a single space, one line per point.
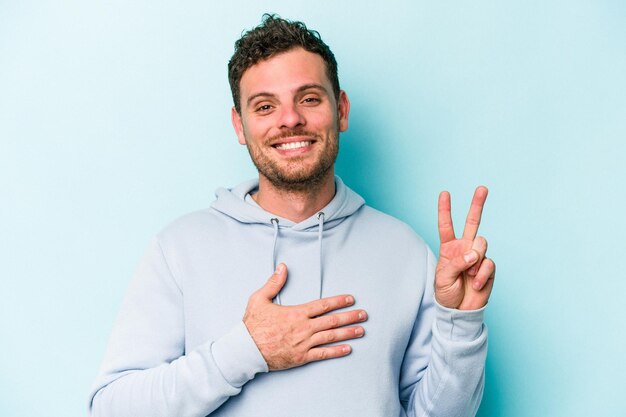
263 108
311 100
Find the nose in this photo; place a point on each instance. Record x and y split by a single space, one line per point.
290 117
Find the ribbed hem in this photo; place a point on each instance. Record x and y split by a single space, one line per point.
237 356
459 325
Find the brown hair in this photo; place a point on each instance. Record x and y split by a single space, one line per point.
273 36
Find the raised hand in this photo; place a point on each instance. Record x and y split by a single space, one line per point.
464 276
290 336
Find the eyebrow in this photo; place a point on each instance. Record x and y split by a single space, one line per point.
302 88
312 87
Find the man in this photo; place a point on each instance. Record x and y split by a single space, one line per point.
346 324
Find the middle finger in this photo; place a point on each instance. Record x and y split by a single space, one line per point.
336 335
475 213
332 321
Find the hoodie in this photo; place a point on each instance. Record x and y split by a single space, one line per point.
179 346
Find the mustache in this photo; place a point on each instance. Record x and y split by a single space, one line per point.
291 133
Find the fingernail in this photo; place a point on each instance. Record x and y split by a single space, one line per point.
346 349
280 268
358 331
470 256
472 271
362 315
349 300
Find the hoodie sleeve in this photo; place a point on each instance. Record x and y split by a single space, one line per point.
146 371
443 370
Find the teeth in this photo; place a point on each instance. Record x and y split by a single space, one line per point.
293 145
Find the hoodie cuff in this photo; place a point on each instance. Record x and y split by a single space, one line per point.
237 356
459 325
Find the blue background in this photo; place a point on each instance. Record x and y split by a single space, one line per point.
114 120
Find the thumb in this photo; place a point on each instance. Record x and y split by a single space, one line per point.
275 283
449 273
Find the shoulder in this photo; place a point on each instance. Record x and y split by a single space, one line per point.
387 228
191 227
392 226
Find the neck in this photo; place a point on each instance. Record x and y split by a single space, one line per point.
295 205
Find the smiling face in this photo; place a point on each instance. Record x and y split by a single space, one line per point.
290 119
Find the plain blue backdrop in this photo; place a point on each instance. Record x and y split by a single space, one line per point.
114 120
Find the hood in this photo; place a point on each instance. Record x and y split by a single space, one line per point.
233 203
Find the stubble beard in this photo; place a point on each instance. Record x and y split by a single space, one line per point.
294 177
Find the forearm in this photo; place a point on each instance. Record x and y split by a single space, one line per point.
193 385
452 385
186 387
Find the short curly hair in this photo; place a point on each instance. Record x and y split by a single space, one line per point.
273 36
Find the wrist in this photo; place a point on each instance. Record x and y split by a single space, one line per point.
461 325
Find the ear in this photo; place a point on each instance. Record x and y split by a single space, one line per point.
343 109
235 118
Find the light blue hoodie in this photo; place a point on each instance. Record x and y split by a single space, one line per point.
179 346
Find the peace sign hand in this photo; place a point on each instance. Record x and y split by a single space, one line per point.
464 276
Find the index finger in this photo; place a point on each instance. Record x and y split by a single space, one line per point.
475 212
444 218
324 305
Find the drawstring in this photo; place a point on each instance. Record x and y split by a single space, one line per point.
320 231
275 224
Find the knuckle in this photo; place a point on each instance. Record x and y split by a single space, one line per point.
490 265
330 337
333 321
309 328
300 333
273 280
322 354
292 314
299 358
473 221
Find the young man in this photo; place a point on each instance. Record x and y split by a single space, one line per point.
348 322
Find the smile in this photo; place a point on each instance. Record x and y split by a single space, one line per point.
293 145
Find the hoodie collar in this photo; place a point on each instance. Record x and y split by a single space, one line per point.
232 202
